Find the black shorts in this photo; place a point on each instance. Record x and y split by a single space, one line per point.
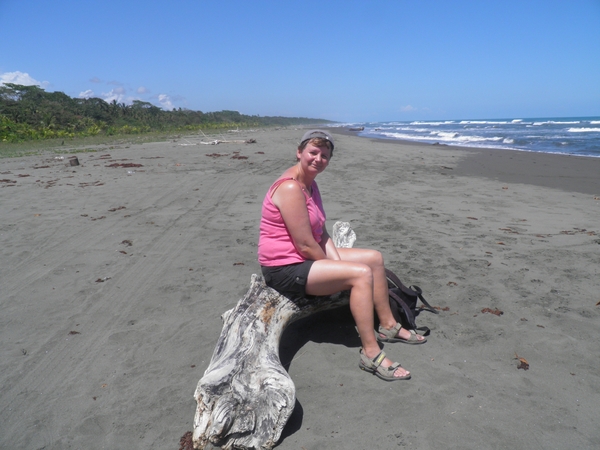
289 280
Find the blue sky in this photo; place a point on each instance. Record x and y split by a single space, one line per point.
340 60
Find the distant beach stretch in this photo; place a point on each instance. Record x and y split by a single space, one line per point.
569 136
114 274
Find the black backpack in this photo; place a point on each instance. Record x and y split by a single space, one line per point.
403 302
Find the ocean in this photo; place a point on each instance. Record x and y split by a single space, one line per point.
567 136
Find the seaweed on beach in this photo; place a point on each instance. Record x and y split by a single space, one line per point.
523 364
186 443
494 311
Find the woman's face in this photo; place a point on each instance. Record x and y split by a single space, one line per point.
313 158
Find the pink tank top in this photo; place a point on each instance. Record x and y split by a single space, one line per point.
275 245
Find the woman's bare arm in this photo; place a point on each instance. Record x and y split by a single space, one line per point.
328 246
290 200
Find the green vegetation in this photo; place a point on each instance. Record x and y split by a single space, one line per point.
29 113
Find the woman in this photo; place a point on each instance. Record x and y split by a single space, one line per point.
298 257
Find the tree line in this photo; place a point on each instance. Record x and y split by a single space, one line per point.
29 113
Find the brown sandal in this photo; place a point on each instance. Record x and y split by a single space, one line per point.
393 335
374 366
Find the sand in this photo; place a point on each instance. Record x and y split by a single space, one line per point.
113 283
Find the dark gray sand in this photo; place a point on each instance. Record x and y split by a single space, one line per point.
112 285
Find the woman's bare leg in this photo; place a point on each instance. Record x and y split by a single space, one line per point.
381 301
329 276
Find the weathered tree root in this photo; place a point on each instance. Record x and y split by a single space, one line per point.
246 397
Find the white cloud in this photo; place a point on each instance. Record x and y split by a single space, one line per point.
22 78
408 108
95 80
165 102
86 94
117 94
143 90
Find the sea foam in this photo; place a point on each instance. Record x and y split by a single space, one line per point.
584 130
580 135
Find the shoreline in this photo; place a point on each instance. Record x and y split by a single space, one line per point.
565 172
507 165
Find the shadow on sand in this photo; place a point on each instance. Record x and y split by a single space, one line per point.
334 326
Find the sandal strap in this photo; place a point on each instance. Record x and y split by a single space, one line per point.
378 360
393 367
392 332
374 366
374 363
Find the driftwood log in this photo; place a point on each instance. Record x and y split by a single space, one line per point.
246 397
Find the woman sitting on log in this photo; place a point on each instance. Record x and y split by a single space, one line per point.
299 259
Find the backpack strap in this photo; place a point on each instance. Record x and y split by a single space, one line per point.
425 331
391 276
419 293
407 311
412 291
